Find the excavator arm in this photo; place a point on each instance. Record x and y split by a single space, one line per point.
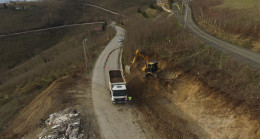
136 56
146 58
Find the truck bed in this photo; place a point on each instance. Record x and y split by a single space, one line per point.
115 76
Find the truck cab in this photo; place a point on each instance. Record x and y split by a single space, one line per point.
118 93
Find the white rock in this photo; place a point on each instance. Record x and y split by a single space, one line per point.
55 126
73 115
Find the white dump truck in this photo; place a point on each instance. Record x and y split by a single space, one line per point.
117 86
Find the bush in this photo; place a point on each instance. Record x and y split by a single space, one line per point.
152 6
139 10
144 14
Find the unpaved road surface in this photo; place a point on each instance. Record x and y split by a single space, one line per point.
249 57
115 121
101 8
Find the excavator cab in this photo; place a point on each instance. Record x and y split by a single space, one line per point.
150 67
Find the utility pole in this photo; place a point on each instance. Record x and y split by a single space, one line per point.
88 56
186 12
182 2
220 64
107 36
85 54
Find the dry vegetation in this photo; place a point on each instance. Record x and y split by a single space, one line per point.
24 82
31 62
38 15
72 92
234 21
164 40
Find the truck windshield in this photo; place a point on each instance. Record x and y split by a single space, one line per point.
119 93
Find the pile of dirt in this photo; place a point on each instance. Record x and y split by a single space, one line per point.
184 107
116 80
66 92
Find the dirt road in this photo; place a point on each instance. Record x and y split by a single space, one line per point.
115 121
249 57
101 8
44 29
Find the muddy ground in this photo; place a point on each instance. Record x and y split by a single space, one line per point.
182 106
69 91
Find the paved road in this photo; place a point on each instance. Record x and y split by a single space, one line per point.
247 56
38 30
115 121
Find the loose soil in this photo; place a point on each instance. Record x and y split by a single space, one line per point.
66 92
185 107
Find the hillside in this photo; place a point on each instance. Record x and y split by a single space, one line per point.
199 92
31 62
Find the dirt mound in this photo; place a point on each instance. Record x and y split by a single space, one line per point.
63 93
185 108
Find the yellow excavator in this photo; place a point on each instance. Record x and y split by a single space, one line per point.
150 67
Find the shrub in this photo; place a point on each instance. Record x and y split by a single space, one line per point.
152 6
139 10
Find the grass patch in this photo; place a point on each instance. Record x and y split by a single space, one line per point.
18 49
241 4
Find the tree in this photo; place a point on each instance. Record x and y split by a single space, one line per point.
170 3
139 10
145 14
105 23
104 26
5 6
152 6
